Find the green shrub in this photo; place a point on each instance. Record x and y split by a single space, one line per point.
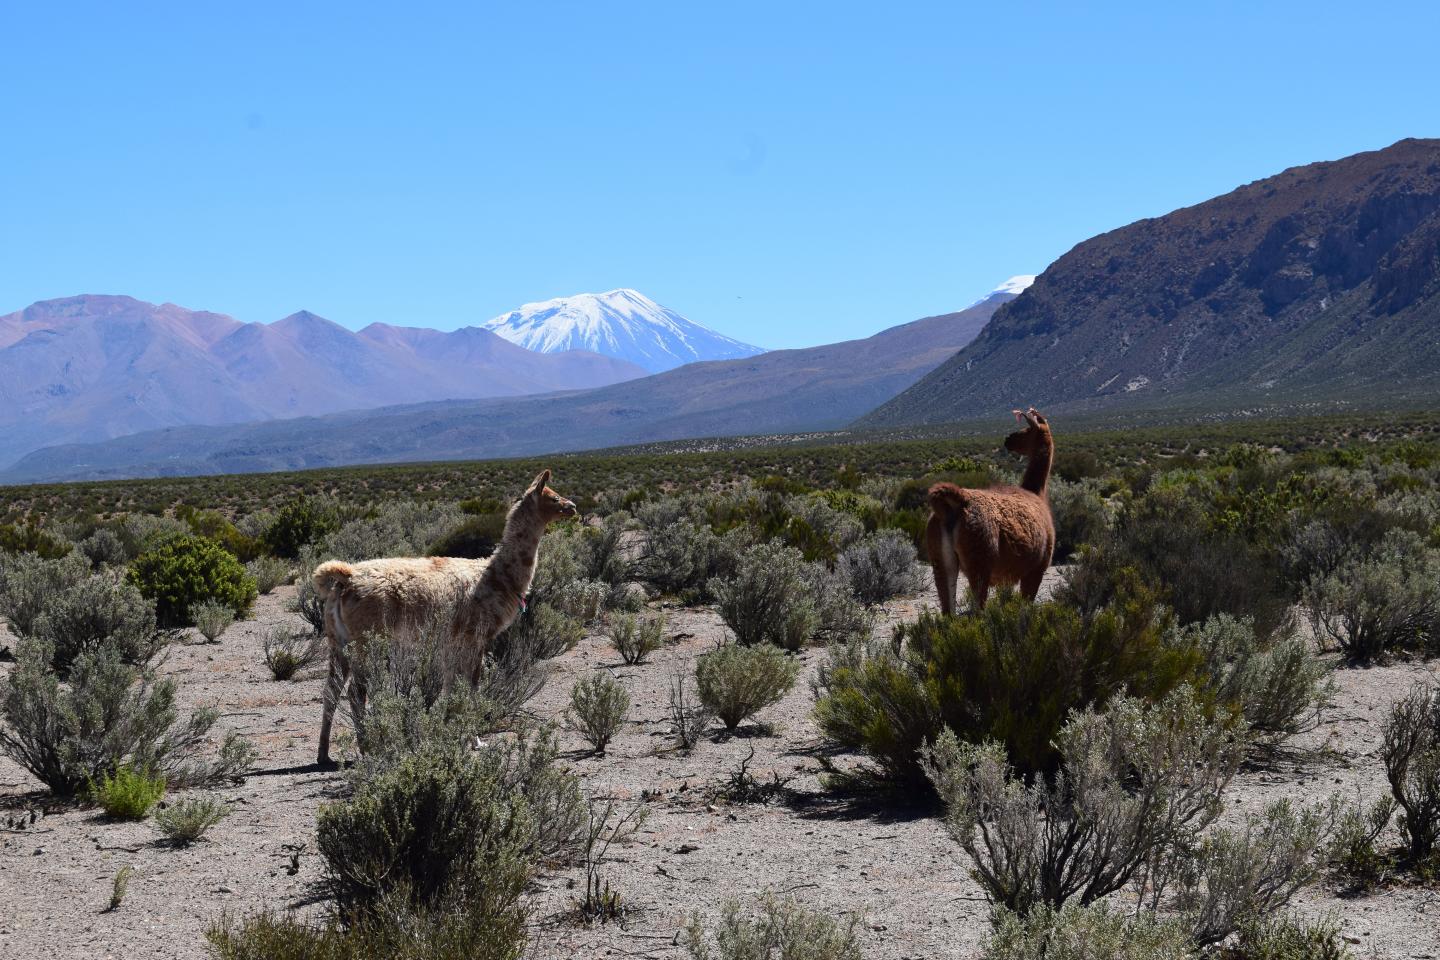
396 529
1357 861
181 824
475 537
1251 870
286 652
1085 933
563 561
307 603
635 638
597 708
437 828
108 714
141 531
300 522
185 571
580 599
818 530
1134 784
127 793
689 719
540 632
212 619
769 599
119 886
417 704
463 931
1410 750
29 582
104 548
682 555
1286 937
268 573
1279 685
1011 673
214 526
735 682
1080 516
1380 603
32 539
478 506
782 929
880 567
1205 569
101 609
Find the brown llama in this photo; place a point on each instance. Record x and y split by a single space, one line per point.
479 598
1000 535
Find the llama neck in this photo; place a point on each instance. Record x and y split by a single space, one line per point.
1037 471
509 573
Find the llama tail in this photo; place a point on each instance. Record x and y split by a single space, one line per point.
947 498
331 576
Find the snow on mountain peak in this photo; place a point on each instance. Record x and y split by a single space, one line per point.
621 323
1011 288
1016 284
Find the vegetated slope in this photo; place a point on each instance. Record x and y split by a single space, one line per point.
620 323
1311 290
783 391
95 367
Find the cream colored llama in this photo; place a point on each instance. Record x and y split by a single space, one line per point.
394 596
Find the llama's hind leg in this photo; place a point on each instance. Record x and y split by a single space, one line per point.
944 564
979 587
1030 583
334 686
359 696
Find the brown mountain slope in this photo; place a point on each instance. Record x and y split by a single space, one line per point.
783 391
1313 288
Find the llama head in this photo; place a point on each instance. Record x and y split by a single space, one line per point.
549 504
1033 438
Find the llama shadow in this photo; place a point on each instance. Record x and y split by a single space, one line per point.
878 806
302 768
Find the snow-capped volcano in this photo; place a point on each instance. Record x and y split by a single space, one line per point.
1010 289
1016 285
621 323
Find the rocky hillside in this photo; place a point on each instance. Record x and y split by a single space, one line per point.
783 391
1313 289
95 367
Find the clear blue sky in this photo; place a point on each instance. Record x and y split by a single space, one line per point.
786 173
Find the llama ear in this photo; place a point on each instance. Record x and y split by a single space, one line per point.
1019 417
540 482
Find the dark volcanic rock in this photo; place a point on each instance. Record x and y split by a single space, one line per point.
1316 286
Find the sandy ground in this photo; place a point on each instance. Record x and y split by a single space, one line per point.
898 871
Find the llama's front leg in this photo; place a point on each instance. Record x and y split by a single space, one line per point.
334 686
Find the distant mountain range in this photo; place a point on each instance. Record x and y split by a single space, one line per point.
1313 290
624 324
1306 291
783 391
95 367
